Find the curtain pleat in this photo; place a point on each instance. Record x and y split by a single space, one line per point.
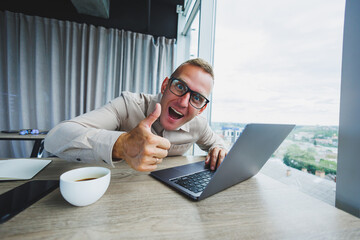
55 70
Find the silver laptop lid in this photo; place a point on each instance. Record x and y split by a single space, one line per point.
248 155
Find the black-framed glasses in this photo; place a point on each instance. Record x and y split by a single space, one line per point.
180 88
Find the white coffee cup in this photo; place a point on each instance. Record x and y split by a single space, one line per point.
84 186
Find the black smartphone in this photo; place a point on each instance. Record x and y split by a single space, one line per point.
15 200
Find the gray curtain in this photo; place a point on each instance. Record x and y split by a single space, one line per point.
54 70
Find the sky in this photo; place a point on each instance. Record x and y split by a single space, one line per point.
278 61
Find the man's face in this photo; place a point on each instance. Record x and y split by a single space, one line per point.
176 111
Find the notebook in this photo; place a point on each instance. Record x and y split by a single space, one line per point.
21 169
245 159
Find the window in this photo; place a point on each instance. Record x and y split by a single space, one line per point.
279 61
196 30
188 31
194 37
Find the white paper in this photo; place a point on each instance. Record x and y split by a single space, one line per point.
21 169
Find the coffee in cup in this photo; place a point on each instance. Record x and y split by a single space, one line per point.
84 186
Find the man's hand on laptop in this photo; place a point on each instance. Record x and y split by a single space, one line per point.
215 157
140 148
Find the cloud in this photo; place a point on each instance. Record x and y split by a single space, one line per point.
278 61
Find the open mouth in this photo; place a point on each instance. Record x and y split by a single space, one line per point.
175 114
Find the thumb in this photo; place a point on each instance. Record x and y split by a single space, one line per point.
153 116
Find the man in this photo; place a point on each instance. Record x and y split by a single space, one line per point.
143 129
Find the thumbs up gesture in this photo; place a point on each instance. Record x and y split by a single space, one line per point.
140 148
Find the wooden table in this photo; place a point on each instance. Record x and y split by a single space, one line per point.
136 206
38 139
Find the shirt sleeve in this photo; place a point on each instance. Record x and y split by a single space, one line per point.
209 139
89 137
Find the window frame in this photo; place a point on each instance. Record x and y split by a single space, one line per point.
206 39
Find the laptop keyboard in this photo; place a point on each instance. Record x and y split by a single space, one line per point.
195 182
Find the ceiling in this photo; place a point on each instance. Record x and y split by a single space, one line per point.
154 17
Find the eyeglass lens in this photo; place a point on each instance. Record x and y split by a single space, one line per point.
179 88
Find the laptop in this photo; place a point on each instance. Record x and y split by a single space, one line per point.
252 149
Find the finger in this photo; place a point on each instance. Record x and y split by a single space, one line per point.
157 160
153 116
153 152
214 158
147 168
163 143
207 158
160 153
221 157
150 160
147 164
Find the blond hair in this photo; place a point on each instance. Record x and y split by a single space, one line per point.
196 62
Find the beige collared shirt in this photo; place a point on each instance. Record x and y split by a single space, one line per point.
90 137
